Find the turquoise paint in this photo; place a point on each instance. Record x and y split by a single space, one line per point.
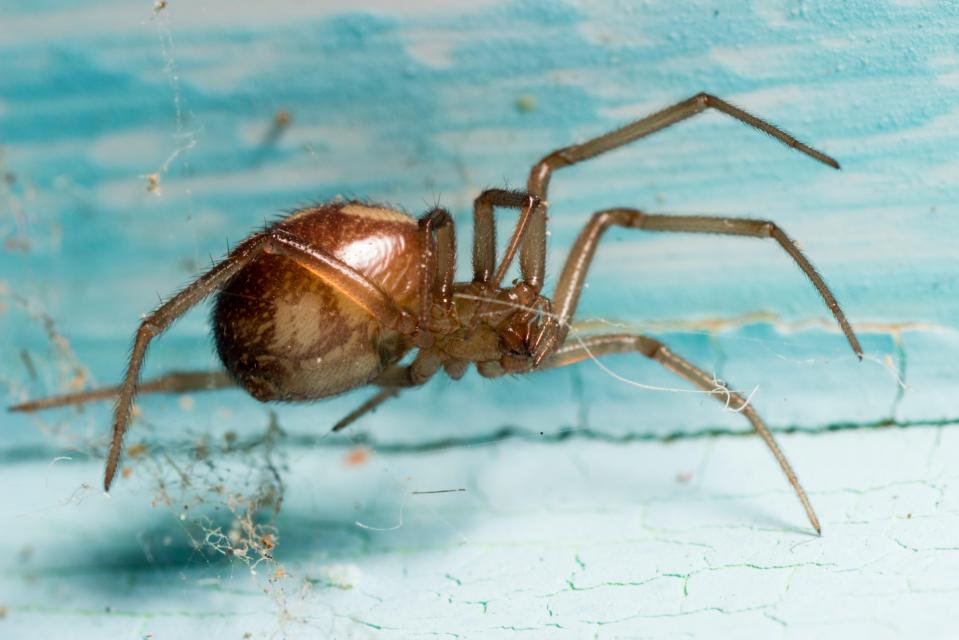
423 107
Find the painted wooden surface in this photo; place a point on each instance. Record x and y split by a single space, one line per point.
135 143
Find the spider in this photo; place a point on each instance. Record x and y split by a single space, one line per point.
334 296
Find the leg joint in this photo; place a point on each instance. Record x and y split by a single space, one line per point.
651 347
633 218
770 229
147 330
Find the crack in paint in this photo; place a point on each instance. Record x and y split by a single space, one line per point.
30 453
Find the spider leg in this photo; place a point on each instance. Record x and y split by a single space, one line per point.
570 284
484 232
275 241
172 382
439 261
533 253
484 239
392 380
576 351
369 405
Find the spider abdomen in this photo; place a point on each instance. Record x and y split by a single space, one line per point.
285 334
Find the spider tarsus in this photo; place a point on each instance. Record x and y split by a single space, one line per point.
110 473
853 341
813 519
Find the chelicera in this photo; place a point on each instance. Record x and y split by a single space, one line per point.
334 296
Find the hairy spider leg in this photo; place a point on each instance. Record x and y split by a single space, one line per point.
533 251
575 351
368 406
392 380
570 284
438 267
484 233
484 239
172 382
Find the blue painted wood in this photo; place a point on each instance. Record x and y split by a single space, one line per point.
431 103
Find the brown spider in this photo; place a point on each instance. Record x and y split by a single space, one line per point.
334 296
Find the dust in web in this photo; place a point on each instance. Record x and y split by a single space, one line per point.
184 138
14 197
59 368
224 495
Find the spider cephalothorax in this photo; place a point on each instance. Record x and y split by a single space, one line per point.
332 297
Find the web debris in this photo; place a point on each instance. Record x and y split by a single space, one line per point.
186 139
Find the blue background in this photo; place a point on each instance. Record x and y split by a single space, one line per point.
431 103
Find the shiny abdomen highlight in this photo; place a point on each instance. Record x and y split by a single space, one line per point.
285 334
